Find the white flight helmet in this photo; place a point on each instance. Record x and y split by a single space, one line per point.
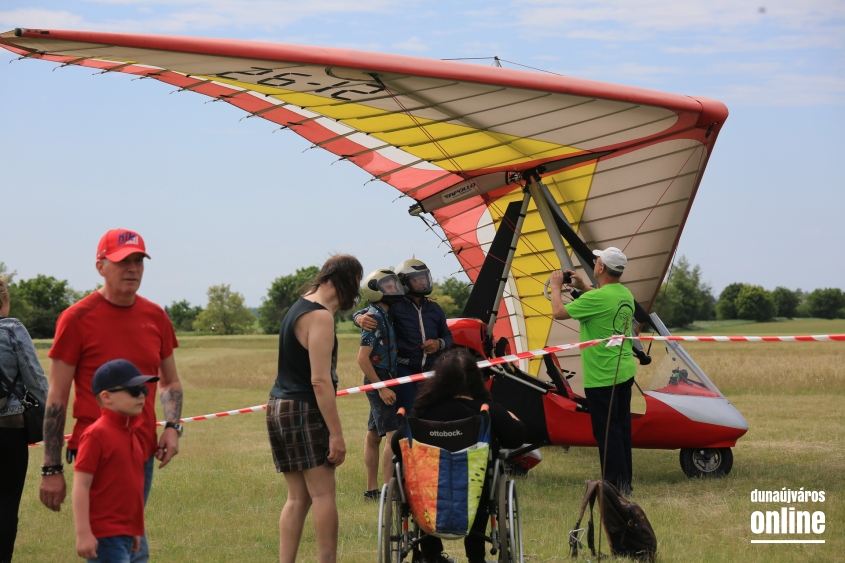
415 276
377 287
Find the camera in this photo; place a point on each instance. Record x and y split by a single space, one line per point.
567 277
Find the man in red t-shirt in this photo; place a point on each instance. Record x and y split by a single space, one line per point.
110 465
113 322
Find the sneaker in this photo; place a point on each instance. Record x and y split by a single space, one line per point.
372 496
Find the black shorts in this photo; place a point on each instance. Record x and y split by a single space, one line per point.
299 437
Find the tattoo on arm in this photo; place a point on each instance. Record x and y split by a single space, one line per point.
171 404
54 433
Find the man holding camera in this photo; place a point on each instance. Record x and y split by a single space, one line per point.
608 371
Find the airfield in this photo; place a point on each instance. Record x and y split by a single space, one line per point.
219 500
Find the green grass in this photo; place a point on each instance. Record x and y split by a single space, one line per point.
782 327
219 501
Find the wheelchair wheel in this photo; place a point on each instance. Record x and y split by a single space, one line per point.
510 523
390 524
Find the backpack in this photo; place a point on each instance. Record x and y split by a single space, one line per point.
628 531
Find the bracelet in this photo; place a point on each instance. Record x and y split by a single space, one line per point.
47 470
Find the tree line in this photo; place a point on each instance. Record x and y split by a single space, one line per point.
684 298
39 301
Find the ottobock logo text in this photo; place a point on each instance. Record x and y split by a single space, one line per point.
444 433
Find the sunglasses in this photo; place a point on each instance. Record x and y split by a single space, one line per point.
135 392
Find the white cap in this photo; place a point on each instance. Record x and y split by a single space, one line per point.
613 258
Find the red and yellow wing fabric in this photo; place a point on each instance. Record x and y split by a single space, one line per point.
424 126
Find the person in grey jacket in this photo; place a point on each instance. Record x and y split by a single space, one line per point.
17 361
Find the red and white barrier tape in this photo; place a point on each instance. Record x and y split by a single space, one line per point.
482 364
246 410
612 341
808 338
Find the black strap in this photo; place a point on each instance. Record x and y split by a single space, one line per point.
14 381
22 397
391 366
589 498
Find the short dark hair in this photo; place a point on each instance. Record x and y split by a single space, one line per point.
345 273
455 373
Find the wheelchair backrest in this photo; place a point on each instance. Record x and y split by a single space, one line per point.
453 436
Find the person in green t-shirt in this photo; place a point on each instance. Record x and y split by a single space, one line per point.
604 312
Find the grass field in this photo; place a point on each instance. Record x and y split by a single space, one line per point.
219 500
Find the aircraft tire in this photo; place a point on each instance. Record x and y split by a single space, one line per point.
706 462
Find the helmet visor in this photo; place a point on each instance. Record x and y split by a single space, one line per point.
419 282
390 286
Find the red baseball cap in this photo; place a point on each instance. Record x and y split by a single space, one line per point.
117 244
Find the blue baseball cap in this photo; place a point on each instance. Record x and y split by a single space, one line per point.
118 373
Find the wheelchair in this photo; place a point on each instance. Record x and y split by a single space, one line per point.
399 528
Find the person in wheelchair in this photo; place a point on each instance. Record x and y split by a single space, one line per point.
455 392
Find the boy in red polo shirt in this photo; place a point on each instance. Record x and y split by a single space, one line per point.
108 479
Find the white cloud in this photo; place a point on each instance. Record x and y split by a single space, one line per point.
687 16
414 44
788 89
173 16
32 17
715 26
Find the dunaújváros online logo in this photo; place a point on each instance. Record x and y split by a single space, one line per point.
791 516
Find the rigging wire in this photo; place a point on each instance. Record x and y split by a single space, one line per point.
698 169
497 62
448 157
416 121
668 280
540 313
517 232
517 297
663 297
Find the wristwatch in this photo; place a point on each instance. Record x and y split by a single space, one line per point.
176 426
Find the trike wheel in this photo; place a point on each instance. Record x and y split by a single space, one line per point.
706 462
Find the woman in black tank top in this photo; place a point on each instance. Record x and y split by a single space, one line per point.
304 428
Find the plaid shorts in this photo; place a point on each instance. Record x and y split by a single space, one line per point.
299 437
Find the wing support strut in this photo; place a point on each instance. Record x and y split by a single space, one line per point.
558 228
584 253
540 194
503 281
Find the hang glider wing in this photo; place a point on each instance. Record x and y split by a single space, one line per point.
453 137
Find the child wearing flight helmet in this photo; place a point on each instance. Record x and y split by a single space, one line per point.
419 322
377 358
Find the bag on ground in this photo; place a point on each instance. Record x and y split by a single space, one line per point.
628 531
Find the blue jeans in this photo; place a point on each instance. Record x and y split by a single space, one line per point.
143 554
113 549
407 392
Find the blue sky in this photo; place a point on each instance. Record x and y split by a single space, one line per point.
223 201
